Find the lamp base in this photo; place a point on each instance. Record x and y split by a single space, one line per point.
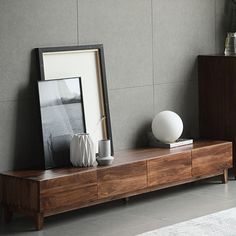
153 142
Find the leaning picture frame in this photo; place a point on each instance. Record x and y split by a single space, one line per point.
87 62
62 116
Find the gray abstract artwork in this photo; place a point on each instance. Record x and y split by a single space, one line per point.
62 116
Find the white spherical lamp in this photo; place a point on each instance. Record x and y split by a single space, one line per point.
167 126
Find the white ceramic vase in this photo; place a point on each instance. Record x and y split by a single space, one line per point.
82 151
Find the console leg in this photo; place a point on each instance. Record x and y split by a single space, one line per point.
126 200
7 214
225 176
39 219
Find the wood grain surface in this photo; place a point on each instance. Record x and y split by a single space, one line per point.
65 191
169 169
211 159
217 98
118 180
20 193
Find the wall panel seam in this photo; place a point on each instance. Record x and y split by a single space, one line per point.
176 82
132 87
215 13
77 9
16 100
153 79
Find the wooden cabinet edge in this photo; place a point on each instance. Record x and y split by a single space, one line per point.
1 189
225 156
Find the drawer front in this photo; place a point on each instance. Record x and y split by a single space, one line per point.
121 179
77 191
169 169
71 197
212 159
84 178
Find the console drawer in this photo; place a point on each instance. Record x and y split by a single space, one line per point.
169 169
69 191
211 159
121 179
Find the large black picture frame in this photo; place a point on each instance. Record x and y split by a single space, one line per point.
45 56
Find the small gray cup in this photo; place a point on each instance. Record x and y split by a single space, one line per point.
104 148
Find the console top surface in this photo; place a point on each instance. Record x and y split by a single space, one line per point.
120 158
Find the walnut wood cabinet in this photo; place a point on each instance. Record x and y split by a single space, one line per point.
217 98
43 193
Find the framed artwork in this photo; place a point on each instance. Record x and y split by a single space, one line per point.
62 116
86 62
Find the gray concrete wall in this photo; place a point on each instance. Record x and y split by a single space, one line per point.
150 50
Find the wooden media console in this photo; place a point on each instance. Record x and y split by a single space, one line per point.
41 193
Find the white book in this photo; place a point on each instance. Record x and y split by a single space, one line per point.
153 142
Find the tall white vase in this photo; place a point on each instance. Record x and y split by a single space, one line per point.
82 151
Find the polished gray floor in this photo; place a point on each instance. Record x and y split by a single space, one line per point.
142 213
